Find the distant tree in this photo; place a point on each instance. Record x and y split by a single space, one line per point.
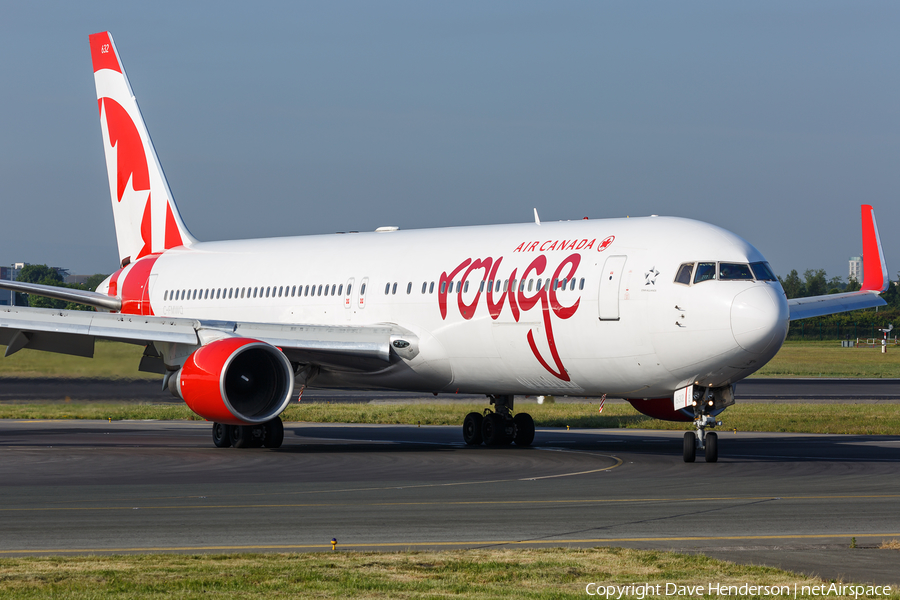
44 275
852 285
816 283
836 285
892 295
93 281
792 285
39 274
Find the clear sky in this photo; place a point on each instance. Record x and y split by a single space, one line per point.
775 120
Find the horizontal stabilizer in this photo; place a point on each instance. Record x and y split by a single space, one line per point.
817 306
95 299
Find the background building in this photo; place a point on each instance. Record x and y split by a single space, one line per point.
8 297
856 268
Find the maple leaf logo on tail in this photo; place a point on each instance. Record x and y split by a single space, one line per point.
147 220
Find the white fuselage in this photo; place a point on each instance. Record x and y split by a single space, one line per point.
621 326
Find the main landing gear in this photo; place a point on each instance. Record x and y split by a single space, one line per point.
269 434
498 427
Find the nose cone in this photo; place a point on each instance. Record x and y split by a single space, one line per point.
759 319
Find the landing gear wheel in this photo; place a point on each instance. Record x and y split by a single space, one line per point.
524 429
221 435
247 436
493 430
274 433
472 429
690 446
712 447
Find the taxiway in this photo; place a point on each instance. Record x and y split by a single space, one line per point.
790 500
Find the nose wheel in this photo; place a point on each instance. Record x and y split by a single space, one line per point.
702 440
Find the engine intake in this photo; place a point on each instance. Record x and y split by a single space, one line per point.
236 381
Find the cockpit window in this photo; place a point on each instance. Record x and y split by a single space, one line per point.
763 272
734 271
684 274
705 272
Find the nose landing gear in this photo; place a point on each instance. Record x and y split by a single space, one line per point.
498 427
708 442
704 402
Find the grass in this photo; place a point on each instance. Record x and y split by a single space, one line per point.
554 573
857 419
828 359
115 360
112 360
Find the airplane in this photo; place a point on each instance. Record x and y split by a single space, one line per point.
668 313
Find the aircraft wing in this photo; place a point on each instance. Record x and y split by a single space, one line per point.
817 306
73 332
875 279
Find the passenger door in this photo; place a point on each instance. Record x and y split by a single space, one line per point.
610 278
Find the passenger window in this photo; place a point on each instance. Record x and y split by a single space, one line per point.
431 288
229 292
706 271
349 288
394 289
166 295
443 287
530 282
481 286
387 288
763 272
362 290
280 289
424 286
466 287
320 290
306 291
333 289
684 274
581 284
341 290
409 288
255 290
734 271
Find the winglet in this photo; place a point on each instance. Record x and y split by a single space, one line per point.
875 273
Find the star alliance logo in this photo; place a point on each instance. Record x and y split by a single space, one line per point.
650 276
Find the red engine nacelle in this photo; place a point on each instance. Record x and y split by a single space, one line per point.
236 381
